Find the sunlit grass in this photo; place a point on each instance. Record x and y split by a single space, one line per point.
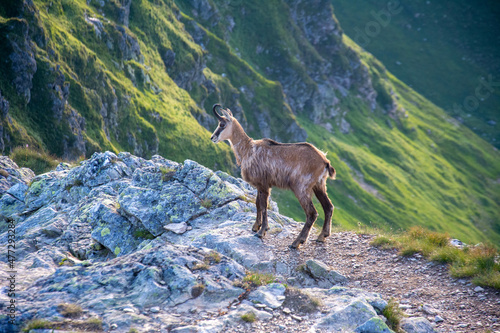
34 159
480 262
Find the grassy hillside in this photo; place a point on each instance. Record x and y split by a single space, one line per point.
141 76
444 50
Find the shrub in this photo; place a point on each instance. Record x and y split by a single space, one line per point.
92 324
259 279
249 317
167 173
69 310
37 324
197 290
207 203
213 257
394 314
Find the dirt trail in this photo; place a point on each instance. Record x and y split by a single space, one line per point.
423 288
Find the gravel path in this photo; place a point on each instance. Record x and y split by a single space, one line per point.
422 288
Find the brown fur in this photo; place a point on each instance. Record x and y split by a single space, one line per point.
265 163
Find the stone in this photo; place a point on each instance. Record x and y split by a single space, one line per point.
178 228
416 325
346 308
317 269
426 308
18 191
457 243
478 289
155 209
373 325
322 272
268 295
438 319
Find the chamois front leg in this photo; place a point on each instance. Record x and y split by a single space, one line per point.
258 220
262 198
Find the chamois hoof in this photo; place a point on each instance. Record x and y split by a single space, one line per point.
321 238
297 243
261 233
256 227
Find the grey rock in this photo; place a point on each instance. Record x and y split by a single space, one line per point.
426 308
155 209
178 228
457 243
44 189
478 289
21 57
9 207
317 269
13 174
268 295
63 166
111 229
417 325
18 191
322 272
373 325
186 329
347 308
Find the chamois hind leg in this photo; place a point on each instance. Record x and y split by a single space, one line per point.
311 215
320 192
263 197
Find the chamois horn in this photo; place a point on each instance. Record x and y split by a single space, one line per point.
215 112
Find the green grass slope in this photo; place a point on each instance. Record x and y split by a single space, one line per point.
126 98
444 50
142 78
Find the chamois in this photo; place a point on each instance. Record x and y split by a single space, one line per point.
265 163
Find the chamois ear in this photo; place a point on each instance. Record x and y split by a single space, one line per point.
227 113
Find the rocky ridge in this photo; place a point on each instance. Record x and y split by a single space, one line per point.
155 245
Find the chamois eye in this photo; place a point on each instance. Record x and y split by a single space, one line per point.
222 125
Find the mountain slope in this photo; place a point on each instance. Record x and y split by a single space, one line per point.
142 76
449 52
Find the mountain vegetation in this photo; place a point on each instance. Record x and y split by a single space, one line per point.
449 52
141 76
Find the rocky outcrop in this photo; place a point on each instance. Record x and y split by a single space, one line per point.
337 70
155 244
20 56
4 117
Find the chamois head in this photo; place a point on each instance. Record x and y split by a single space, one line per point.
224 130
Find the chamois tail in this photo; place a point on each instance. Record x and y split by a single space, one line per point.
331 171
